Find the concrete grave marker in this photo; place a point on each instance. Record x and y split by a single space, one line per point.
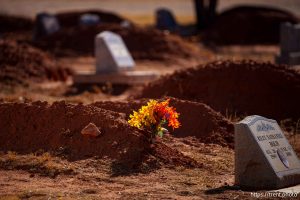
289 44
111 53
165 20
46 24
264 159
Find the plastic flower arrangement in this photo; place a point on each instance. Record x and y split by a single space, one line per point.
154 116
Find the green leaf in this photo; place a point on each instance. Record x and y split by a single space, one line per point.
160 133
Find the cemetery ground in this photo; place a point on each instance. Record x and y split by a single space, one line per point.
195 161
40 174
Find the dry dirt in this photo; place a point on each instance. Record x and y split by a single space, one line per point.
21 63
235 88
43 154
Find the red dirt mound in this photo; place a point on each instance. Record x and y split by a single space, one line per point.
143 43
69 19
13 23
248 25
241 87
20 63
197 119
27 128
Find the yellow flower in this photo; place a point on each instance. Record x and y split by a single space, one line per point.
154 115
144 117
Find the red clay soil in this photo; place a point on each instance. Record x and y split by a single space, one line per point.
143 43
235 87
10 23
248 25
197 119
31 127
69 19
20 63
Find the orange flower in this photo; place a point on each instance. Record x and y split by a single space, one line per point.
165 112
154 115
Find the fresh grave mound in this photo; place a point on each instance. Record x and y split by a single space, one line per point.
235 87
20 63
71 18
14 23
197 119
248 25
57 128
143 43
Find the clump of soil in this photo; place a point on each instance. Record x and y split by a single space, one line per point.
197 119
69 19
10 23
248 25
20 63
56 128
143 43
235 87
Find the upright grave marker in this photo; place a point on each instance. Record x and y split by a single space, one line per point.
111 53
289 44
46 24
263 157
165 20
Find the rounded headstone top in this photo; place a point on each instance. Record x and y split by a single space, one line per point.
249 120
107 34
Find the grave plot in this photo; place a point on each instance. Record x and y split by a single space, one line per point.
22 63
60 129
143 43
248 25
235 88
198 120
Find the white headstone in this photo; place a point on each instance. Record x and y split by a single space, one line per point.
264 159
111 53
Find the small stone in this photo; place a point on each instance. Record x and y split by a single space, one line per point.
91 130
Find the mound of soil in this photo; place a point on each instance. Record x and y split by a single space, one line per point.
143 43
197 119
20 63
248 25
13 23
235 87
69 19
56 128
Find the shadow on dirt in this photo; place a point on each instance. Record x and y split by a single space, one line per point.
222 189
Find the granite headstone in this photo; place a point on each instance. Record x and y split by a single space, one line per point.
264 159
